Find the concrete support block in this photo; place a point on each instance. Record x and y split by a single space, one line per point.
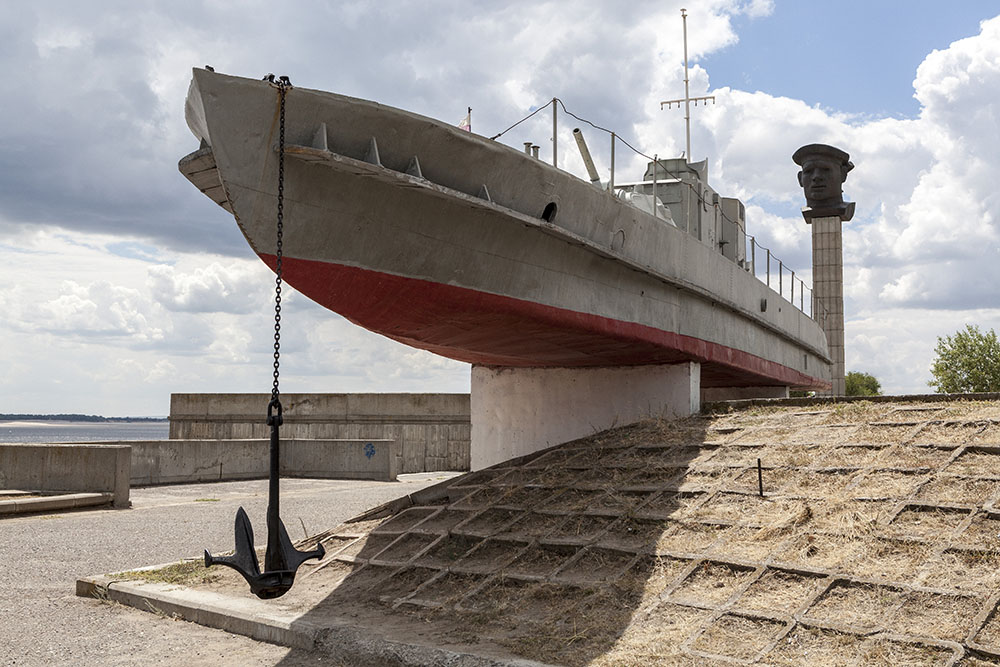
68 468
517 411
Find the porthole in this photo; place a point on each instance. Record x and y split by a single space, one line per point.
549 214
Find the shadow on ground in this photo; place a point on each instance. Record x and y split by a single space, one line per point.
546 558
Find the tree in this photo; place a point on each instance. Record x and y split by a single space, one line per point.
862 384
967 362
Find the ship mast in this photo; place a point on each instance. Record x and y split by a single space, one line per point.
687 99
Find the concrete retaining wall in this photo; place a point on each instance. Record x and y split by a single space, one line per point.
69 468
434 429
185 461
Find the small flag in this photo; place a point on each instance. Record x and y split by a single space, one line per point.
466 123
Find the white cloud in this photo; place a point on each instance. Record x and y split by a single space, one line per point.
91 145
758 8
235 287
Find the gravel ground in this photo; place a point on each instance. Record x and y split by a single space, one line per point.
42 622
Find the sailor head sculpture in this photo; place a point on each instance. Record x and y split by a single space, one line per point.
824 170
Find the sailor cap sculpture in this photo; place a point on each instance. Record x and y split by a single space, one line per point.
824 170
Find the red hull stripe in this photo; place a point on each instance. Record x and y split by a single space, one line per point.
481 328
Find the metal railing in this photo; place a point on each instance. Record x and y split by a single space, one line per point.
774 270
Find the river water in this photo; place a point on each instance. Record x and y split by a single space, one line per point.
59 431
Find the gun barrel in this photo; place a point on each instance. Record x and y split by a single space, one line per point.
585 154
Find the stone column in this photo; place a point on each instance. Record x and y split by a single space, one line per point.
828 291
824 170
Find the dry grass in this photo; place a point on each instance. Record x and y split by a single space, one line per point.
779 592
533 525
921 522
490 555
738 637
688 538
864 606
979 462
912 456
654 638
540 561
882 433
816 646
961 490
983 532
880 651
712 583
950 432
943 617
850 517
745 543
184 573
448 550
649 576
817 551
899 561
887 484
965 570
596 565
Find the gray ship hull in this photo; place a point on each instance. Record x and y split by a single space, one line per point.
450 242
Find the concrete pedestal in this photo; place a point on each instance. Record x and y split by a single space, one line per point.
828 291
517 411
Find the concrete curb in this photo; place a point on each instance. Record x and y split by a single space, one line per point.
54 503
261 621
810 401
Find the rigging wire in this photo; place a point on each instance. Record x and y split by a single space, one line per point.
698 195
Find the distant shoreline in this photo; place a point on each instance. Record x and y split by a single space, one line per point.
95 419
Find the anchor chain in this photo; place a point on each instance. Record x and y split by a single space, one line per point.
281 559
283 86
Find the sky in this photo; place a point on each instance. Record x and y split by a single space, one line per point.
120 283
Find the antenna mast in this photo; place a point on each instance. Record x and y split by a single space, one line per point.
687 94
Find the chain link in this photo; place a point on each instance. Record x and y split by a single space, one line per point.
283 86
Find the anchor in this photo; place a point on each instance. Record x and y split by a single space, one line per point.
282 559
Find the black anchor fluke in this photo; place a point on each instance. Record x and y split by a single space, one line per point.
281 559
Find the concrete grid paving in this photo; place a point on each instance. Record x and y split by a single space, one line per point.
41 556
877 542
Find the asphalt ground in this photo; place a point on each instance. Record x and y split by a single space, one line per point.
42 622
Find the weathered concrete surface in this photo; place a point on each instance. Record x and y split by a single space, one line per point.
67 468
433 428
713 394
186 461
518 411
828 291
63 501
